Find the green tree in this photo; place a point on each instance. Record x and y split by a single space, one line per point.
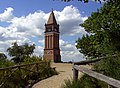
105 32
4 62
85 1
3 57
103 38
20 52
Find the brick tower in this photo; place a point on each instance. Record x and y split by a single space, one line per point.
51 49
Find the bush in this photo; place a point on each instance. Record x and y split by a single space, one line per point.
20 78
109 67
84 82
6 63
32 59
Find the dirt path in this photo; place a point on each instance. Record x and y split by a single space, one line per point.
65 72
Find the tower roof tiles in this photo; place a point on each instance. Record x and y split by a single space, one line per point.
52 19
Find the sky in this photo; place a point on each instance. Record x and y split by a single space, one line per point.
23 21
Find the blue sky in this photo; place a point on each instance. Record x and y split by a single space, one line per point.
24 7
23 21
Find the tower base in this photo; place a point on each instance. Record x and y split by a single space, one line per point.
56 58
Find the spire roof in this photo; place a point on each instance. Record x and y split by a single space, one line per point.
52 19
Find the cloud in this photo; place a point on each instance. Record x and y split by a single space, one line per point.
65 46
41 42
32 24
7 15
69 19
22 29
69 52
38 51
72 56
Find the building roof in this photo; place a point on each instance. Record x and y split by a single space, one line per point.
52 19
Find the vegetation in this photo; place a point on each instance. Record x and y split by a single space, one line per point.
3 57
103 40
103 29
85 1
27 75
32 59
4 62
84 82
21 77
20 52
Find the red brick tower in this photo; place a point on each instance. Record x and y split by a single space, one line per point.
51 49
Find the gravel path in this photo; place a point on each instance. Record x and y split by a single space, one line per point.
65 72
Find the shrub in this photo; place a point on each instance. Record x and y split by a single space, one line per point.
32 59
84 82
6 63
20 78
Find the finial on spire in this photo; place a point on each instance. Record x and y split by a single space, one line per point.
52 19
52 9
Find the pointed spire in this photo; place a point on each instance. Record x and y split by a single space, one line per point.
52 19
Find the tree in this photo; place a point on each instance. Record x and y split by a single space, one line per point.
86 1
20 52
103 38
104 27
3 57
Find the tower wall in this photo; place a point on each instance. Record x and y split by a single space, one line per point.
51 49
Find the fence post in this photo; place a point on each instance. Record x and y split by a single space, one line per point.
75 73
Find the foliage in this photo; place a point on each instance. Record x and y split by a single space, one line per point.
84 82
3 57
20 77
19 52
32 59
109 67
6 63
86 1
103 29
27 75
104 32
89 46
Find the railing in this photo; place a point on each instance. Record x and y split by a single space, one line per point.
16 74
112 83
